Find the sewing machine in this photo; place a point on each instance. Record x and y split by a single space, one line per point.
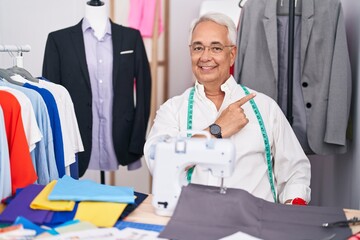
173 155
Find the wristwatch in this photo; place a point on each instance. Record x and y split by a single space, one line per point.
215 130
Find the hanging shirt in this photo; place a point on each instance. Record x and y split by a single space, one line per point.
142 16
21 166
291 166
43 155
71 134
31 128
55 126
5 178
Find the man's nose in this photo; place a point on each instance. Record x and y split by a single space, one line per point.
206 54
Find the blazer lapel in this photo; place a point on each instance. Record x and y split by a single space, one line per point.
116 34
78 41
270 28
307 24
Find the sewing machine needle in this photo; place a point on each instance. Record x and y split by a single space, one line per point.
222 188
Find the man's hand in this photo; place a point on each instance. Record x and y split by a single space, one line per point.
233 118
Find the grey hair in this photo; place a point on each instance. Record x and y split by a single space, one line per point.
218 18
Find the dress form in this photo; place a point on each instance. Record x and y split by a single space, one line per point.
97 17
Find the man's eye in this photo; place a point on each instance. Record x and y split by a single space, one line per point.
198 48
216 49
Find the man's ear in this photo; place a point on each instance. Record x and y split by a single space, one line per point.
233 53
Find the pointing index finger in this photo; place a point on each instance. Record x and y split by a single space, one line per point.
245 99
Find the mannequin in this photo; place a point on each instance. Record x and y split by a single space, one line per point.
98 61
97 15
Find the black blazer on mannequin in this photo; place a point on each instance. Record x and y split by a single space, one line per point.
65 64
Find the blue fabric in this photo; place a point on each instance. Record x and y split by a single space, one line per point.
27 224
60 217
68 188
74 168
144 226
55 126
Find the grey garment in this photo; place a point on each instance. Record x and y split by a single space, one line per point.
203 213
325 66
298 106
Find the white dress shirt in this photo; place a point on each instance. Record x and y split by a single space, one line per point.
291 168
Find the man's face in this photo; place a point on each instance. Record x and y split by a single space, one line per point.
210 66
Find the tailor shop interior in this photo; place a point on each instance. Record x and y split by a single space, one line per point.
109 129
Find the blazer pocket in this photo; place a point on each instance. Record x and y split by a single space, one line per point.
126 52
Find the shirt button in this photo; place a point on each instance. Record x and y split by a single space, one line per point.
100 61
305 84
100 81
308 105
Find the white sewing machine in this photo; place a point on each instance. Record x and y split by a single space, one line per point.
173 155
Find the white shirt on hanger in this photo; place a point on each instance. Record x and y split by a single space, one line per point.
70 129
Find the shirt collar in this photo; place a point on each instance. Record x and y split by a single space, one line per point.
86 25
226 87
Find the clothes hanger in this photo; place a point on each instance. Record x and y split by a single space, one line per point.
6 75
282 7
242 3
95 3
24 73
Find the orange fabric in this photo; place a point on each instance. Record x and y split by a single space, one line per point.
21 167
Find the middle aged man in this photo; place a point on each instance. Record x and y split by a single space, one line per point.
226 109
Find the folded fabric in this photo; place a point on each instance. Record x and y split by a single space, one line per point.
73 226
60 217
20 206
27 224
42 202
68 188
139 198
101 214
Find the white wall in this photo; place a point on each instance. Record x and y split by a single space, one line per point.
29 22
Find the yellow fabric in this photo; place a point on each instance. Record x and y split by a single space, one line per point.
2 207
101 214
41 201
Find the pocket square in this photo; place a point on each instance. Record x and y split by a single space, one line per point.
127 52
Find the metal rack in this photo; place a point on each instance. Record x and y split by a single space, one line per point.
19 49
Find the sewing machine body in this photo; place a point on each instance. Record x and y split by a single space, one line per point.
173 155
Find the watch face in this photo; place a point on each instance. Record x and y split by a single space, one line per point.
215 130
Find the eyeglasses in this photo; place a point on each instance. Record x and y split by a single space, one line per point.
215 48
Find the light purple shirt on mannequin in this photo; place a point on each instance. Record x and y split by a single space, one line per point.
99 58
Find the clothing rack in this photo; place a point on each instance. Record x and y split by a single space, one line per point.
19 49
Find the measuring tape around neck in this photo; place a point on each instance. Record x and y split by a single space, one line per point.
263 133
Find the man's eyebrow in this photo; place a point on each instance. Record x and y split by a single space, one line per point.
199 42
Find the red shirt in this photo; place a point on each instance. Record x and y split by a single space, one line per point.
21 166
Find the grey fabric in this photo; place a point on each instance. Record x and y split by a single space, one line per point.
203 213
298 106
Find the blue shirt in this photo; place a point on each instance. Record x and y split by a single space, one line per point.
55 126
